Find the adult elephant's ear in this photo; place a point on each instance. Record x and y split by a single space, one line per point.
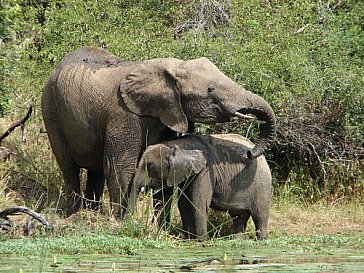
151 90
183 164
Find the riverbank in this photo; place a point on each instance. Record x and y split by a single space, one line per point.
286 220
309 238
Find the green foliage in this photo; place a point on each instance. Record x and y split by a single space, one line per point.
305 57
86 243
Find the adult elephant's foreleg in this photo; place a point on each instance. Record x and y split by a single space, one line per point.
119 169
118 179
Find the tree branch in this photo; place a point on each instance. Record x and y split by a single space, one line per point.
14 210
18 123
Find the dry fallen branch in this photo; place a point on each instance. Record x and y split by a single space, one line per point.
18 123
15 210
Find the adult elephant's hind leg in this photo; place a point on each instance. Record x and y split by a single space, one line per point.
70 170
94 190
72 188
71 177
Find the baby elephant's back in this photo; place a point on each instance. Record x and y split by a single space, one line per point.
229 154
236 147
242 144
240 180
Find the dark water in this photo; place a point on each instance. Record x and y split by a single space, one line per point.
202 259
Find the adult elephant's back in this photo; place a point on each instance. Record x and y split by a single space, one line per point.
85 118
77 102
92 56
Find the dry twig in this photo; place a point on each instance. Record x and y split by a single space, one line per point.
209 14
15 210
18 123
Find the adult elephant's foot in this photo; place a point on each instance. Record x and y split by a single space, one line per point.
73 205
92 204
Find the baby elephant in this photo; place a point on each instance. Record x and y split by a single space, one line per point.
210 172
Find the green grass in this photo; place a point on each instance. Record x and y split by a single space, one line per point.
91 252
93 243
88 243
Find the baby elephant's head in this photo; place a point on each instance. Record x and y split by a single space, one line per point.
163 165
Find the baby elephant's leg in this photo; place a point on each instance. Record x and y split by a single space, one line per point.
162 200
261 224
194 217
193 204
240 222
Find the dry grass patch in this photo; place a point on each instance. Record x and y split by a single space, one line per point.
318 219
289 219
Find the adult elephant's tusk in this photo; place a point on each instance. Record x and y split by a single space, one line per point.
240 115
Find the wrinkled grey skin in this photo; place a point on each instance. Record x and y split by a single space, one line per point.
100 112
210 172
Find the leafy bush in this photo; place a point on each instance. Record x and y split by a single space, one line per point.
304 57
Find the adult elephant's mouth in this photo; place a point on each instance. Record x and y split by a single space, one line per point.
211 114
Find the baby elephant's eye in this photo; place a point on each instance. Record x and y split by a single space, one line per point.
210 89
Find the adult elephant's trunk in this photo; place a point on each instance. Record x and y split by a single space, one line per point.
259 108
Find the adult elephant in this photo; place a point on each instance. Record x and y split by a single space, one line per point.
101 112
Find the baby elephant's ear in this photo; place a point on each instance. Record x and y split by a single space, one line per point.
184 164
